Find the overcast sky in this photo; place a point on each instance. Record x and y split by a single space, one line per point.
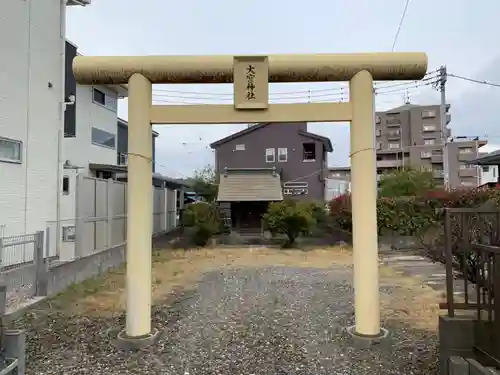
457 33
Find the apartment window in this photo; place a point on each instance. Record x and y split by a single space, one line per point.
240 147
429 141
270 155
465 150
108 101
10 150
466 166
428 114
425 154
378 132
377 120
429 128
103 138
99 97
65 185
393 146
309 151
282 154
379 146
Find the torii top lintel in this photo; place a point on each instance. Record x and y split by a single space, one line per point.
384 66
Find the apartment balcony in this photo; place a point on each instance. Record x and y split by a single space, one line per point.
466 156
389 163
394 135
393 122
438 174
437 158
468 172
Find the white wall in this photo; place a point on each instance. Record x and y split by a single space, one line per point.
488 174
31 81
79 150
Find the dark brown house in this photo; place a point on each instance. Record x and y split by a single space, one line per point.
269 162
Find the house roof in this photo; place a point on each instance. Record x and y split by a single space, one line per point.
124 169
493 158
125 124
249 185
326 141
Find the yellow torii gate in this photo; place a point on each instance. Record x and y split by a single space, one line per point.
251 76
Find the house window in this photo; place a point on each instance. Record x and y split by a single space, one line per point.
240 147
393 146
65 185
270 155
99 97
486 169
282 154
429 141
309 151
103 138
10 150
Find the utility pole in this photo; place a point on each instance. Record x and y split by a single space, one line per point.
442 116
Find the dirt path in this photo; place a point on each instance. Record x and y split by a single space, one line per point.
237 311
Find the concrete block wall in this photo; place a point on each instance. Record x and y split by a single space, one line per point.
62 275
468 366
456 347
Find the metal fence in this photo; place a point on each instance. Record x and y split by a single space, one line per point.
472 254
23 262
17 250
100 218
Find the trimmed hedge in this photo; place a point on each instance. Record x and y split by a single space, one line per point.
414 215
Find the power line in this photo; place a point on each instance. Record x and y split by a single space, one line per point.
474 80
400 25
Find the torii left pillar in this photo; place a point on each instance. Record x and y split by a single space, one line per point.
138 332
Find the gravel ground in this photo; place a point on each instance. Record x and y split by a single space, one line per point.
241 321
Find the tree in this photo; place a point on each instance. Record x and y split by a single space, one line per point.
289 217
406 183
205 183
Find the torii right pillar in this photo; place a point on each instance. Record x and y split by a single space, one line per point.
364 208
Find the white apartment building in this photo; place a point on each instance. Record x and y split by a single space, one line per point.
32 64
90 131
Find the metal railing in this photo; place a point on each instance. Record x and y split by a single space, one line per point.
17 250
472 255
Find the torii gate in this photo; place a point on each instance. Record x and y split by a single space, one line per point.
251 76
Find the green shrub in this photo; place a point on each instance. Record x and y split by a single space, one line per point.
204 218
289 217
202 234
